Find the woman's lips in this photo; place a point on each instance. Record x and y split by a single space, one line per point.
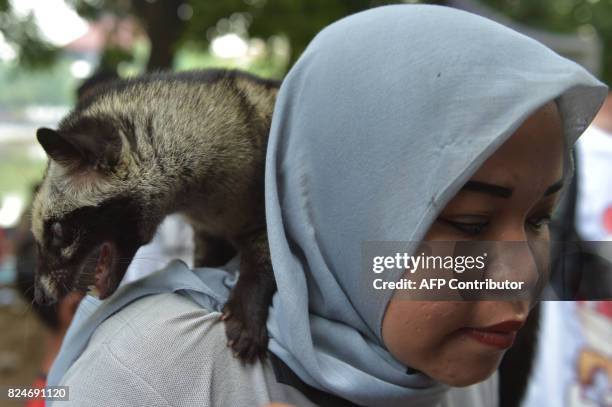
499 336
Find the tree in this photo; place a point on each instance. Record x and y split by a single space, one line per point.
298 20
168 28
565 16
172 23
23 35
159 19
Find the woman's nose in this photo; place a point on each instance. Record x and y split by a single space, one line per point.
510 232
517 261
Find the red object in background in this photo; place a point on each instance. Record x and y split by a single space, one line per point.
605 308
607 219
39 383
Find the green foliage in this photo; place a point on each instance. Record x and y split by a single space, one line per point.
112 57
297 20
52 86
19 170
192 57
22 33
565 16
92 9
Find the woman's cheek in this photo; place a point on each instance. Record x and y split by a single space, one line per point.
416 332
426 336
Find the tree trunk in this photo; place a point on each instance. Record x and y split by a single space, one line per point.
164 29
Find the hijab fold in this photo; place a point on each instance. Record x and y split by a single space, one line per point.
385 116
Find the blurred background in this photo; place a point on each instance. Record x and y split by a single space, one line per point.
48 48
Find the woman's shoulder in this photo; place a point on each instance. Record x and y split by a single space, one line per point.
153 325
167 346
159 348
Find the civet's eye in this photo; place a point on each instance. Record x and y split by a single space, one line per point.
57 231
57 235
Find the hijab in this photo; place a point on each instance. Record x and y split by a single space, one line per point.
384 117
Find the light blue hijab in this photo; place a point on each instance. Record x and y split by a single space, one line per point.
384 117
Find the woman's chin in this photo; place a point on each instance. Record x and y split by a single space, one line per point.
465 373
466 380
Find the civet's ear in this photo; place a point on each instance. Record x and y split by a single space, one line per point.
89 143
56 147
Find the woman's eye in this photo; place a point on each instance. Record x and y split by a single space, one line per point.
540 221
470 228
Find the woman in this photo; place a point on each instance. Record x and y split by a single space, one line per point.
377 130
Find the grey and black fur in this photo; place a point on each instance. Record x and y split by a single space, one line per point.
140 149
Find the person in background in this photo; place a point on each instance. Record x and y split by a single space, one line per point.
3 249
573 366
594 192
2 245
56 318
173 240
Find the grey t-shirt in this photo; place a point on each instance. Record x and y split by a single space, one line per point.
166 350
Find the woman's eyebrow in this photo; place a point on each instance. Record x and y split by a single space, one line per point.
556 187
504 192
491 189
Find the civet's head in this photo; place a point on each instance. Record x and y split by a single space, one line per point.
89 216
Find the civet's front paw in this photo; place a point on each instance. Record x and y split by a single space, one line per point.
245 326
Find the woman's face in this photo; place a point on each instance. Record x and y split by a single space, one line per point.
453 342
